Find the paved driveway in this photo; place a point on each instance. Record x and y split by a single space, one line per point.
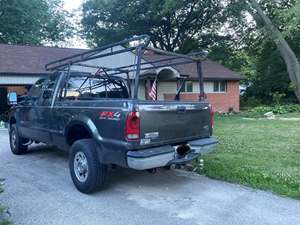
39 191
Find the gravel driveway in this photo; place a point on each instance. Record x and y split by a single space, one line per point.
39 191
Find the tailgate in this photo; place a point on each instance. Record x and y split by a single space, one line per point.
171 122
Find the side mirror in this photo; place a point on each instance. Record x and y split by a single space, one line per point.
12 98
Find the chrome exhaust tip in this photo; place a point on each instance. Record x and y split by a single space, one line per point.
182 150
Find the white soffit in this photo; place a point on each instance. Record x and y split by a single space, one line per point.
17 80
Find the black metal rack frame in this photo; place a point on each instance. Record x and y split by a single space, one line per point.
142 42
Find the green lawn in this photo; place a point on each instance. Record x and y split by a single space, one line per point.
2 210
260 153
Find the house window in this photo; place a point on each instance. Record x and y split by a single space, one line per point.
220 86
187 87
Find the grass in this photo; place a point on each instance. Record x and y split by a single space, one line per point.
260 153
2 211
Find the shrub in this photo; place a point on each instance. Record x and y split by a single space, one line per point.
4 117
278 97
277 109
248 102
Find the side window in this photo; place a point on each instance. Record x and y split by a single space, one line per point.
48 90
188 87
216 86
36 89
220 86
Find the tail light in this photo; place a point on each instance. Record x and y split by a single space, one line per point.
132 126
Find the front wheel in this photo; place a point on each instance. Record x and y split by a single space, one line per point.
16 141
87 173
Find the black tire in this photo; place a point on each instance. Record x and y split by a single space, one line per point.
16 141
89 179
167 167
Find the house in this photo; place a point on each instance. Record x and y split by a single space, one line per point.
221 85
21 66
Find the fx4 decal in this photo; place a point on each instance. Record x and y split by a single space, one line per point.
110 115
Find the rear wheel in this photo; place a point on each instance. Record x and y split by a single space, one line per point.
87 173
167 167
16 141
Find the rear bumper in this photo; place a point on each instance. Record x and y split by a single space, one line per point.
166 155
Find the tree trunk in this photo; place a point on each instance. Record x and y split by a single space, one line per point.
287 53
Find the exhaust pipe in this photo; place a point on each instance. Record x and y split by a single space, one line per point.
182 150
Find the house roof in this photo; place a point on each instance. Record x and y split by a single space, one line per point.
27 59
211 70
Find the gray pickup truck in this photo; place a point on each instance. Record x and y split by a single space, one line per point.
97 115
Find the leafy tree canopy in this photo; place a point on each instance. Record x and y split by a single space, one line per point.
172 24
33 22
256 55
233 35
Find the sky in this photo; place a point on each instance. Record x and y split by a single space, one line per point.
76 42
72 4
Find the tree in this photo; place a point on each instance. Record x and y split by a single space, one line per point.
225 28
271 75
239 60
287 53
172 24
260 59
33 22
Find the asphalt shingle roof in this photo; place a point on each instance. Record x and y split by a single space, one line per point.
211 70
26 59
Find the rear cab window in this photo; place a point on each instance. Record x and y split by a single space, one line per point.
84 86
